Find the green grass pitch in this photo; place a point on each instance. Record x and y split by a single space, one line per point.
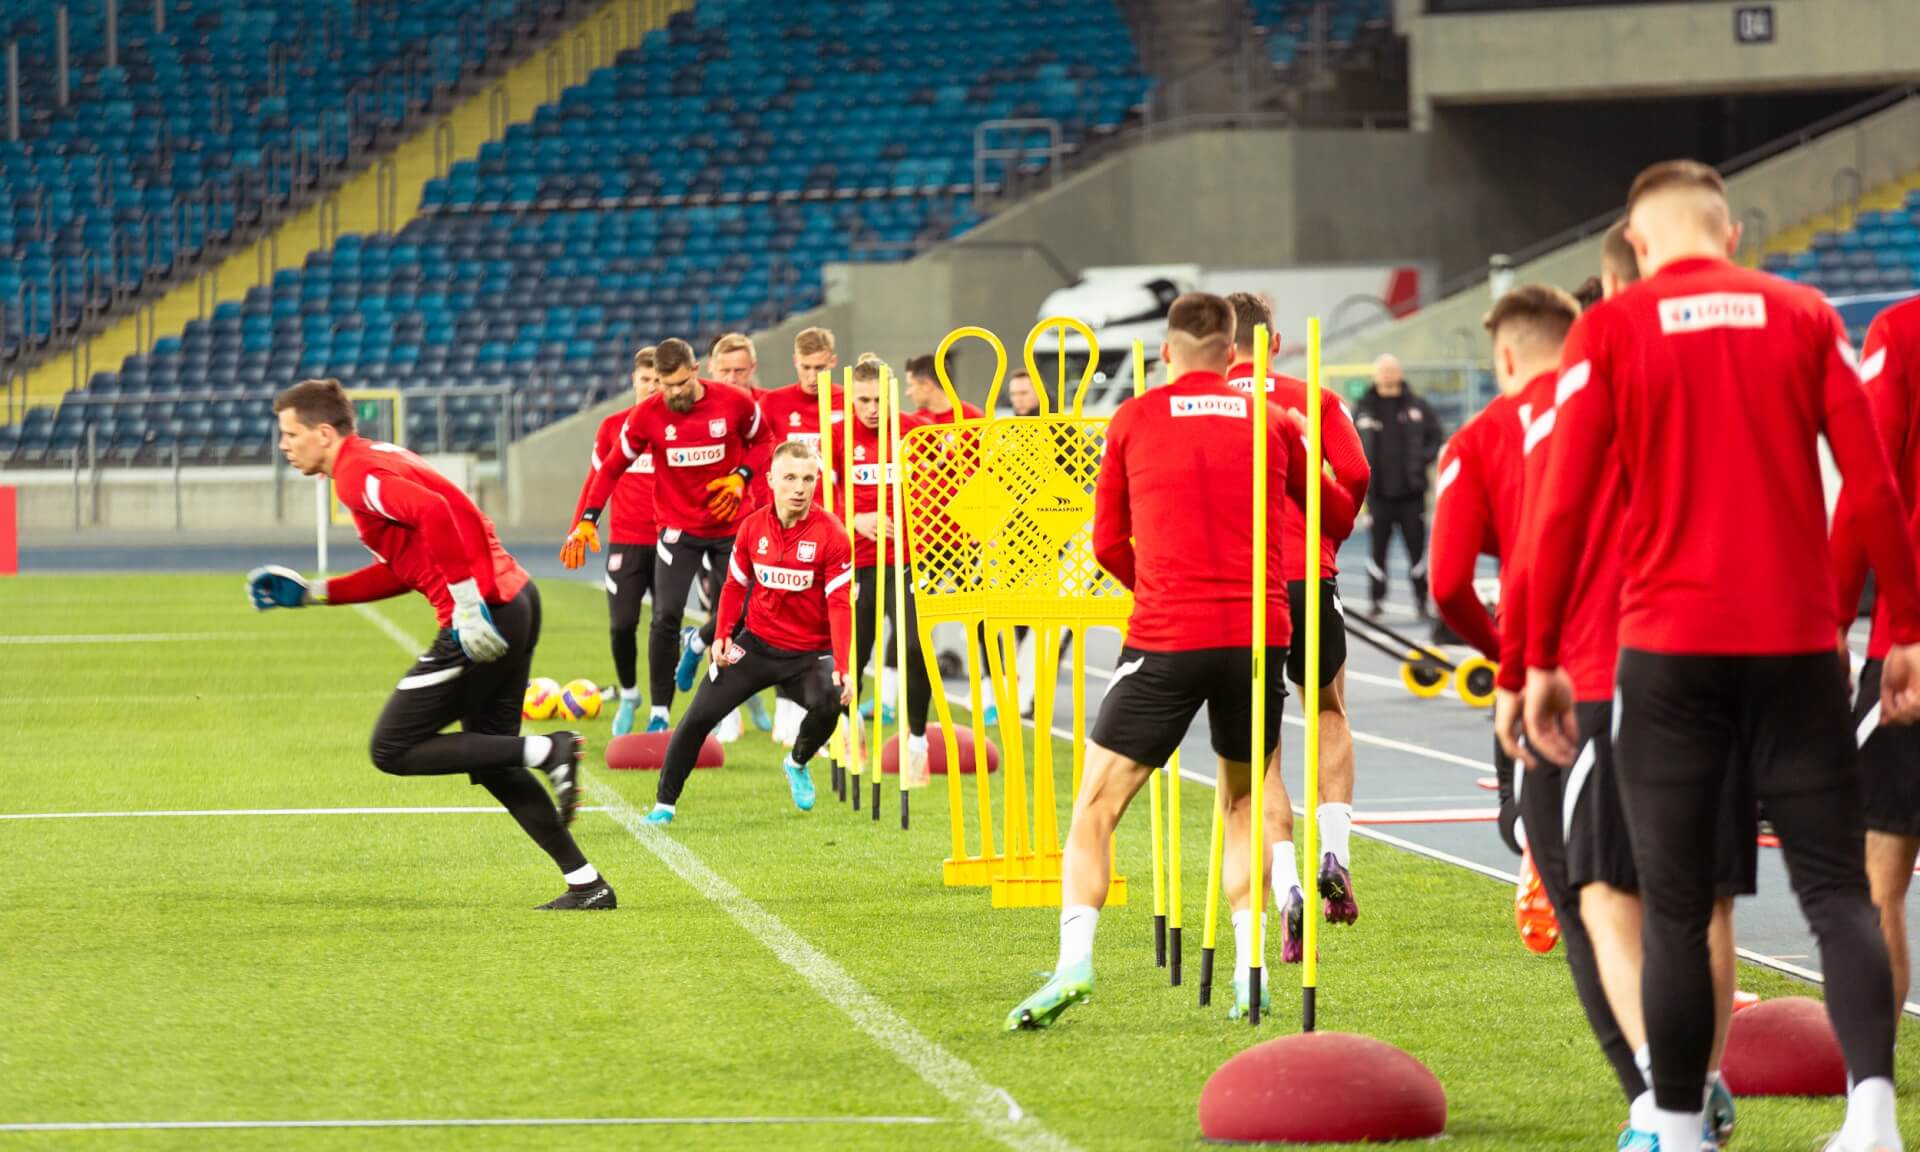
361 967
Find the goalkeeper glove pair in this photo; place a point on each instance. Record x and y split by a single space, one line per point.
723 502
272 586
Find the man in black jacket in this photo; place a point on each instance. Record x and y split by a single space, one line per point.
1401 438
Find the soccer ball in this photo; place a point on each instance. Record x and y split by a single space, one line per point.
579 700
542 700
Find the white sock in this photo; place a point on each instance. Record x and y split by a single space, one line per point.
1077 924
696 645
887 688
917 744
1678 1129
535 750
1640 1112
1242 943
659 712
632 694
790 764
582 875
1286 872
1336 827
663 807
1870 1113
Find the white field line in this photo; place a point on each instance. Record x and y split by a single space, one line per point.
437 811
394 632
522 1122
990 1108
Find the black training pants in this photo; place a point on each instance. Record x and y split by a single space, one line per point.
1542 792
444 687
806 677
1409 515
629 579
1682 723
677 559
865 627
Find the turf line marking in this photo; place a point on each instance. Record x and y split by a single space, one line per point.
990 1108
438 811
517 1122
394 632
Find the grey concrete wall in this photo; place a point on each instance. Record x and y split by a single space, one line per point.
1776 194
1656 49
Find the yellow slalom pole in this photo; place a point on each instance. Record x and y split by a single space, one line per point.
897 524
1154 814
1216 848
846 486
1256 899
881 512
1173 869
1310 965
824 399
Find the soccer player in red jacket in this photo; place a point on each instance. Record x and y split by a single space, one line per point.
929 399
1173 522
1889 756
1347 463
1710 385
785 620
426 536
702 433
630 541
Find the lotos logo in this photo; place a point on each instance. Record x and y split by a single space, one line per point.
717 427
1245 383
810 439
696 457
642 463
805 551
869 474
1713 310
1210 406
784 579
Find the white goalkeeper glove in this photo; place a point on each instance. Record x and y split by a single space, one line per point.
479 639
271 586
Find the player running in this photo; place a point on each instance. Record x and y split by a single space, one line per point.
790 578
630 542
1347 463
1727 666
1173 522
702 432
1889 757
427 536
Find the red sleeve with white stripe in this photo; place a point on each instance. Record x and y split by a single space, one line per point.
1889 398
1583 432
756 439
1112 518
1340 447
836 566
1460 520
404 502
630 440
1856 450
1516 569
604 445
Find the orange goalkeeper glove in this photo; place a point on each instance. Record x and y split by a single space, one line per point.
584 536
724 503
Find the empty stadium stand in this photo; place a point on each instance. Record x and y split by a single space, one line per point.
697 185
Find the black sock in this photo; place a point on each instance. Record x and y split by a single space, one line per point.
626 657
520 794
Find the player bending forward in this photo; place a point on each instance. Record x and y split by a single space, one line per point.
1178 476
791 572
426 535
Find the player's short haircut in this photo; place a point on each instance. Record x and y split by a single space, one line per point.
922 366
733 342
671 355
317 402
1204 322
1250 309
868 367
795 450
1534 312
1669 174
807 341
643 359
1590 292
1616 255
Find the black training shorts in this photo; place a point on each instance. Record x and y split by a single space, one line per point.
1154 697
1333 631
1889 762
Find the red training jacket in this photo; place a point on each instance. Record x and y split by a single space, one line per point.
796 584
423 531
1890 368
1476 510
921 417
1710 385
633 521
1339 450
791 414
692 449
869 490
1179 463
